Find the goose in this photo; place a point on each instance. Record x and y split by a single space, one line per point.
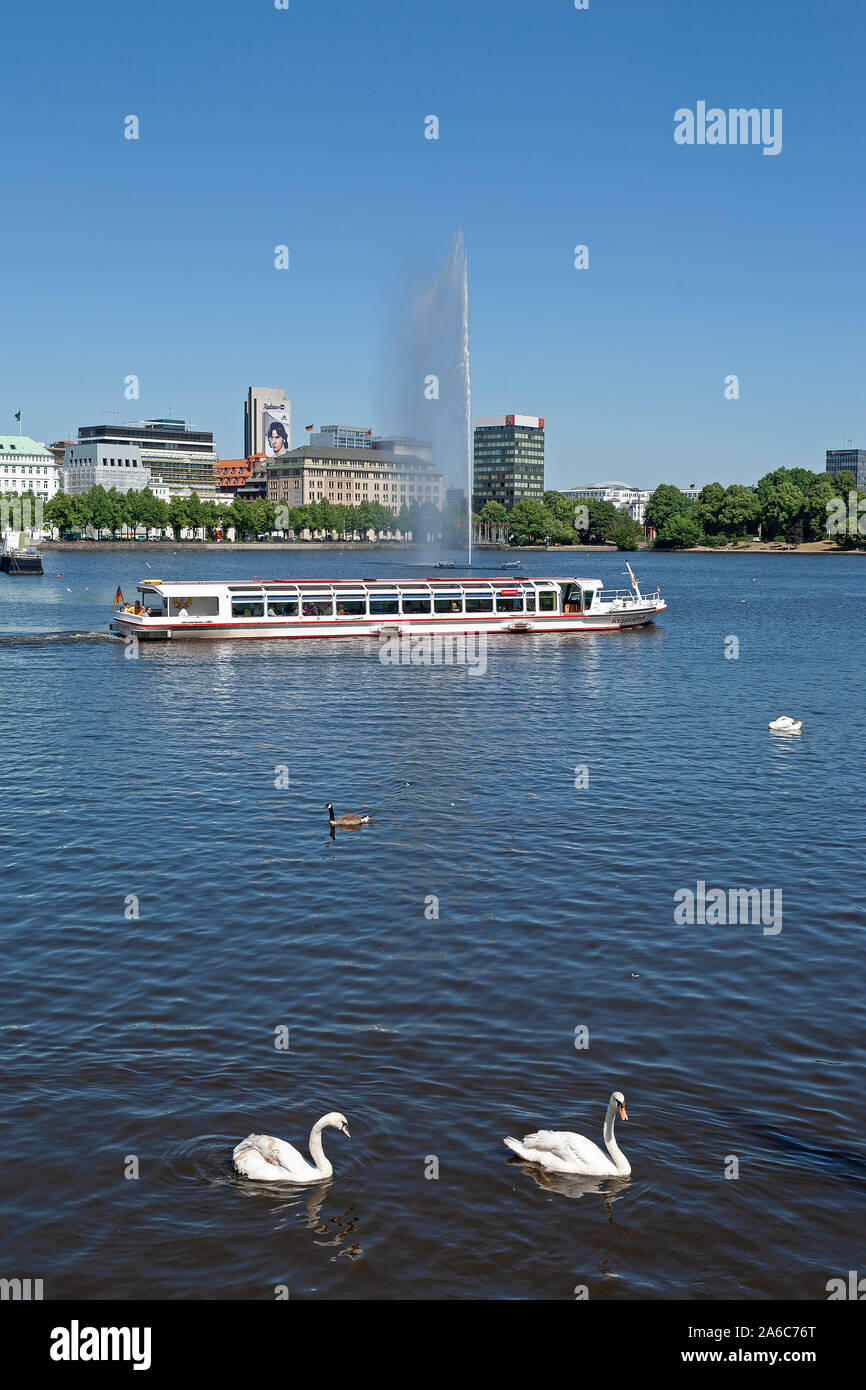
348 822
561 1152
785 724
265 1159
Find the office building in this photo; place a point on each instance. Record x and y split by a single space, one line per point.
181 455
108 465
342 436
27 466
263 407
854 460
352 476
508 459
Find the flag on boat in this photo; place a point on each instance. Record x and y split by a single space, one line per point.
118 597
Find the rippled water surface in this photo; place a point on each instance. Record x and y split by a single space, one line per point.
153 1037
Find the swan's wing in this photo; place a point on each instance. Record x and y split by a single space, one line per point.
574 1151
258 1150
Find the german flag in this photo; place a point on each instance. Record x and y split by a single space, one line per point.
309 427
118 597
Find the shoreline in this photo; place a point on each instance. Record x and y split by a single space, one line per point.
401 547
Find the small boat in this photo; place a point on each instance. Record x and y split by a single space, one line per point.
512 565
445 565
194 609
17 556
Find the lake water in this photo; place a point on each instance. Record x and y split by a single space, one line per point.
151 1039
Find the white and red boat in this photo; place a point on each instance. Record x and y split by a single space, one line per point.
376 607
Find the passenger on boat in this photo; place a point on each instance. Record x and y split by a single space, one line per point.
184 612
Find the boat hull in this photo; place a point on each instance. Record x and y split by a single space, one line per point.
259 628
21 564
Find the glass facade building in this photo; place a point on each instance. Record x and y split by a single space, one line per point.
838 460
508 460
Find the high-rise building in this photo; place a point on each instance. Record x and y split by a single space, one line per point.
264 407
178 453
508 459
854 460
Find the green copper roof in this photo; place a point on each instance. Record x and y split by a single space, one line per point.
13 445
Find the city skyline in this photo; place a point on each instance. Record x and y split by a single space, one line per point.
163 266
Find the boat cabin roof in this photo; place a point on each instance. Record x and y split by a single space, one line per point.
203 587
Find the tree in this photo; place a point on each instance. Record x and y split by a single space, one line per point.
494 512
740 511
602 518
818 494
178 515
625 533
666 501
783 506
529 521
709 503
679 532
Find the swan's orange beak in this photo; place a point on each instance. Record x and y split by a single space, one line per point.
621 1109
345 1129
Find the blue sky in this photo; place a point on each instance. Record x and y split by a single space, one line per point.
306 127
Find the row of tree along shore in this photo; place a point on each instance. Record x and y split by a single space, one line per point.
789 505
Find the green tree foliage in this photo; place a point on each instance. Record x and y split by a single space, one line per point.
679 532
625 533
530 521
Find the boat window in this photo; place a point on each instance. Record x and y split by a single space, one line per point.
318 608
479 603
421 604
571 598
248 608
351 606
382 604
588 595
547 603
509 603
530 601
282 607
448 603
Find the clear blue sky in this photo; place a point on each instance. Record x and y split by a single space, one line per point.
306 127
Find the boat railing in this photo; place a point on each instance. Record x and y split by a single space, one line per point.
624 596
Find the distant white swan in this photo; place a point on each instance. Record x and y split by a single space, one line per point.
561 1152
273 1160
786 725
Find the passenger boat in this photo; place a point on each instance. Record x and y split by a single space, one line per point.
379 607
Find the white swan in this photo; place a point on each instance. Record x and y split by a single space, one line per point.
273 1160
561 1152
786 725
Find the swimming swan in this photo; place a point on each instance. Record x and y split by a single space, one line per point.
348 822
561 1152
273 1160
786 725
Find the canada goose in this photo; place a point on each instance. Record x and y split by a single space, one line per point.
349 822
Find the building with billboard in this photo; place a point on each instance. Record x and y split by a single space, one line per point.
508 459
26 466
180 454
267 421
351 476
852 460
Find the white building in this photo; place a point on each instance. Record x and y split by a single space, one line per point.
26 465
633 499
97 464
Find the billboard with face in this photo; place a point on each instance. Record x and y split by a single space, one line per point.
276 423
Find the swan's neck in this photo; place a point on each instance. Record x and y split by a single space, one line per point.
620 1161
317 1153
